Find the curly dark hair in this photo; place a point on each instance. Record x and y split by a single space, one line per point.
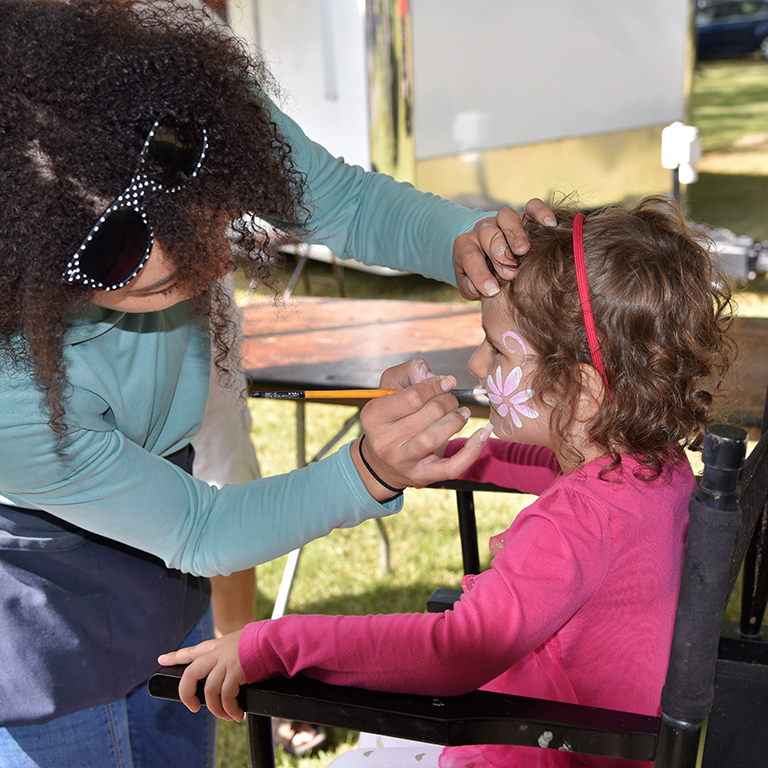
81 84
663 315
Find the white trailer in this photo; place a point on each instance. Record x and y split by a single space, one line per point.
489 101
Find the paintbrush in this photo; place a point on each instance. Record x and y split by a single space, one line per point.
345 394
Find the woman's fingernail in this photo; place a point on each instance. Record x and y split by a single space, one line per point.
465 412
448 383
490 288
550 221
485 433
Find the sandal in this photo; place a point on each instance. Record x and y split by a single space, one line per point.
295 737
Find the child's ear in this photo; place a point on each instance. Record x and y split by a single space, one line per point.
592 393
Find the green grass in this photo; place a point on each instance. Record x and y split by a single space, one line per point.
729 104
341 573
731 112
738 202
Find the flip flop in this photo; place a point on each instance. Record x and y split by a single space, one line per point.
285 732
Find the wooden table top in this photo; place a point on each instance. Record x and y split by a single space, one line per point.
321 343
331 343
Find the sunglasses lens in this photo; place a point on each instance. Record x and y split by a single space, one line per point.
117 248
178 148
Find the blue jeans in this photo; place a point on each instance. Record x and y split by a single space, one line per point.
134 732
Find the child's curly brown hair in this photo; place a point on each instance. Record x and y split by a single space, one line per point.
81 83
664 320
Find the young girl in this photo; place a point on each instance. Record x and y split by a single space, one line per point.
596 356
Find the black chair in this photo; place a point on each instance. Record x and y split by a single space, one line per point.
736 731
672 740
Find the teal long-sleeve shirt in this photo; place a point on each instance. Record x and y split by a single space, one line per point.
139 384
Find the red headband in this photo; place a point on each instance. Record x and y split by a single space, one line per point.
586 305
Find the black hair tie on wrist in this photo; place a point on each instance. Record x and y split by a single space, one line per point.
396 491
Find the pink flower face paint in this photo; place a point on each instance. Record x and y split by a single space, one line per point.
503 394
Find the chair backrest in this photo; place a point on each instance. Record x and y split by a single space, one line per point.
715 519
752 499
753 536
736 733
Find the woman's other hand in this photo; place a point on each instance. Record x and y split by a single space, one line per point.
502 238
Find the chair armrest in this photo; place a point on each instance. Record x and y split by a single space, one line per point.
472 485
479 717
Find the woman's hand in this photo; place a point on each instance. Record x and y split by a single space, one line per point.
218 662
403 431
501 238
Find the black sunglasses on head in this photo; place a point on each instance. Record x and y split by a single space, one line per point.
118 245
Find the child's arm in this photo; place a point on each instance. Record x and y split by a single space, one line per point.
553 562
216 660
526 468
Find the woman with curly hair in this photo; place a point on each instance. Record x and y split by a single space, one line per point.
600 359
137 148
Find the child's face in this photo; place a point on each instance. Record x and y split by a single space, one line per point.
503 363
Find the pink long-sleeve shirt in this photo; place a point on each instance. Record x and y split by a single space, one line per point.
578 606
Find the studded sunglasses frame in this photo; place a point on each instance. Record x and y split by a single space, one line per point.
130 201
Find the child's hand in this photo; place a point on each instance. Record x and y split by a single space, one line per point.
216 660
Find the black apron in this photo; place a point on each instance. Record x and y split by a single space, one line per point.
83 618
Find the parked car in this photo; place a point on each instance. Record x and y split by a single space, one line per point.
732 27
